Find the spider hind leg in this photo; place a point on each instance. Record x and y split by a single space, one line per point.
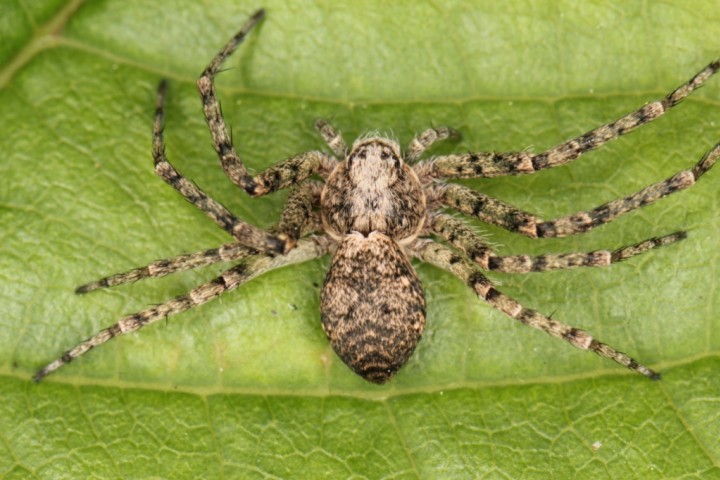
446 259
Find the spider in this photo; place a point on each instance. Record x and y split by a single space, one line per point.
376 209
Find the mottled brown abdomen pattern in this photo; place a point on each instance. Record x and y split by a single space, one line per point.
372 306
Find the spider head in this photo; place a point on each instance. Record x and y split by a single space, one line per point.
374 160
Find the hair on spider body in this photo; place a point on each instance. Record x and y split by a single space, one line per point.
372 305
375 210
373 190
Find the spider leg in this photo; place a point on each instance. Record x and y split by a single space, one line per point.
181 263
422 142
484 207
297 219
464 238
298 213
506 216
292 170
229 280
244 232
491 164
332 137
444 258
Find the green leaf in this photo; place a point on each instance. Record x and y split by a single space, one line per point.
247 386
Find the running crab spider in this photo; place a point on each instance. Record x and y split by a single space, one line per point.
375 209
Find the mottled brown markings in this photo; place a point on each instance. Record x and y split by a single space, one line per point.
372 305
371 213
373 191
494 164
161 268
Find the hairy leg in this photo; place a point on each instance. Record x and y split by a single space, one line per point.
471 274
332 138
298 213
422 142
466 240
168 266
244 232
504 215
491 164
298 219
229 280
280 176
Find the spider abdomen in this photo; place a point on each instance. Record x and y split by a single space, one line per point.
372 306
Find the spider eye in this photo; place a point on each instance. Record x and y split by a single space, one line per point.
384 155
361 154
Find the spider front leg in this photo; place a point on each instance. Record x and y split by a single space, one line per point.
289 172
444 258
465 239
244 232
492 164
253 267
504 215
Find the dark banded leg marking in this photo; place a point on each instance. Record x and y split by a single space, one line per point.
462 237
332 137
181 263
504 215
289 172
486 208
229 280
491 164
245 233
298 218
229 159
422 142
277 177
444 258
584 221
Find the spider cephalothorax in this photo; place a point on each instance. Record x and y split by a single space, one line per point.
373 190
375 211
